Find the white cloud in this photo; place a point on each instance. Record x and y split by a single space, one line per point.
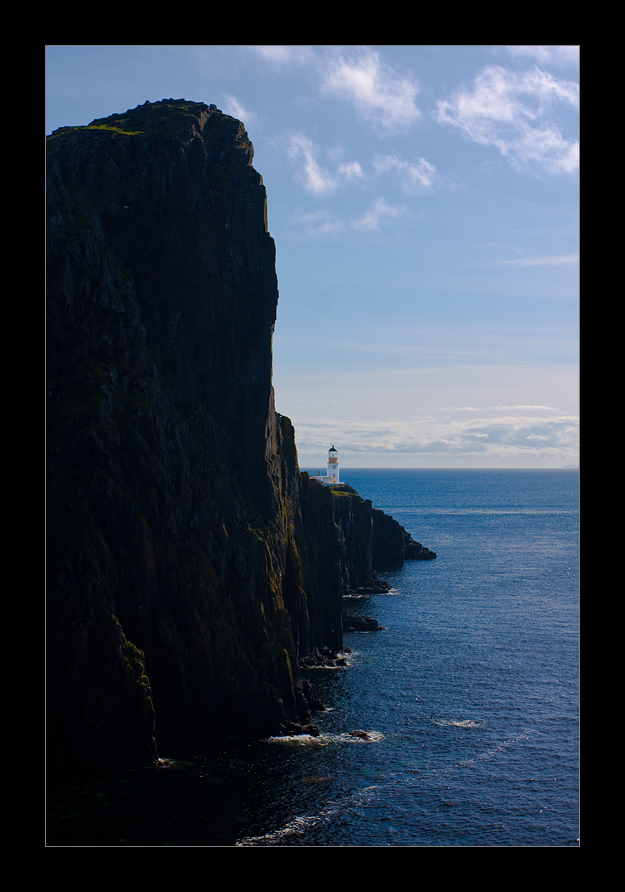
508 109
497 408
318 223
317 179
351 170
500 416
505 441
377 92
302 153
283 54
416 175
556 260
548 55
325 223
380 212
233 107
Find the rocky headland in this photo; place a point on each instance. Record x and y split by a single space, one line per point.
193 570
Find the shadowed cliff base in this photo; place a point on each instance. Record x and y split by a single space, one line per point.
191 566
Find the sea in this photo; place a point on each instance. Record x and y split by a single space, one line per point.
457 724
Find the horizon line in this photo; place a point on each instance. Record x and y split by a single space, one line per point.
430 468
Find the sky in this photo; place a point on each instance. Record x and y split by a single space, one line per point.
424 202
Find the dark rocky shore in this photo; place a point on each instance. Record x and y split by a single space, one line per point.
193 570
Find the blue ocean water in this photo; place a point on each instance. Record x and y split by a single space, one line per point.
468 699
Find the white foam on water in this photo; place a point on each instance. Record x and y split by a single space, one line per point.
298 740
356 736
302 823
459 723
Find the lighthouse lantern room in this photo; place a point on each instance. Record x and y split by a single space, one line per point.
332 476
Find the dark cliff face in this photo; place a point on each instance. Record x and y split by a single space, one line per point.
391 544
190 565
168 536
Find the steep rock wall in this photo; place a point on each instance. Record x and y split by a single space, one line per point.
190 565
170 542
391 544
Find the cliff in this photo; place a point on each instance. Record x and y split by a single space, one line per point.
191 566
392 544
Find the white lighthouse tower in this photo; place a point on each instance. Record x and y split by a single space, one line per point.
332 476
333 465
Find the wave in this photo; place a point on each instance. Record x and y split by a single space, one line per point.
302 823
459 723
356 736
298 740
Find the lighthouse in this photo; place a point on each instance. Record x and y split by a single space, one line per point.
333 465
332 475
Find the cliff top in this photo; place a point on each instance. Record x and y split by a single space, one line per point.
177 118
340 489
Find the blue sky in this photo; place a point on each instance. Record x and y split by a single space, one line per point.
424 201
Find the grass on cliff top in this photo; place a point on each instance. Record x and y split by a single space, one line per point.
114 129
91 127
166 118
169 117
342 489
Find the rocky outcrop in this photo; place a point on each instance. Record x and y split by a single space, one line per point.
353 517
361 624
414 551
191 567
392 544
